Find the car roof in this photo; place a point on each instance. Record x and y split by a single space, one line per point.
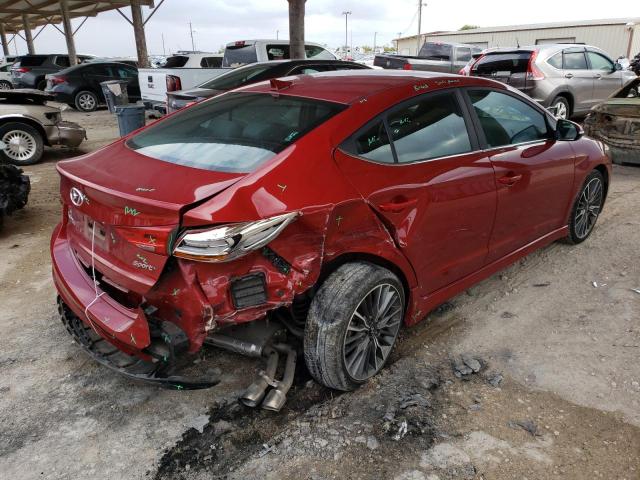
349 86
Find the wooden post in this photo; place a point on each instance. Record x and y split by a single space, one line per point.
138 30
3 37
296 28
27 33
68 32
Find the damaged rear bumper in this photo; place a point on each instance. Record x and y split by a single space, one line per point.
115 336
67 134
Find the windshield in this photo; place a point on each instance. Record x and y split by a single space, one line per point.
237 77
436 51
236 132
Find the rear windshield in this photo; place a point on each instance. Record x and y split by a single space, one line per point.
516 62
436 51
239 76
236 133
239 55
177 61
32 61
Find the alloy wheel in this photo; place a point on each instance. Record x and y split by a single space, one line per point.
589 206
5 86
21 145
372 331
561 110
86 101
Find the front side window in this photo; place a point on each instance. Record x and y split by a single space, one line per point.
429 128
600 62
236 133
574 61
506 120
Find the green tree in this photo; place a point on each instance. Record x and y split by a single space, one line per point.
469 27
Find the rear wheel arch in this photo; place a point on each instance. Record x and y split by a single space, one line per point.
568 97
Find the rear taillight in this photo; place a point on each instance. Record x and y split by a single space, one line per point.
22 70
151 239
533 72
57 80
173 83
407 66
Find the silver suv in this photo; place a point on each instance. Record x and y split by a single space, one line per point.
568 79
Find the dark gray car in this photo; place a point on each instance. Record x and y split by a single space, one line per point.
29 71
567 78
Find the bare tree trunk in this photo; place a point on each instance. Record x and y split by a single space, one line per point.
296 28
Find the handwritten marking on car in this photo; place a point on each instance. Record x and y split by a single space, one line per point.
422 86
131 211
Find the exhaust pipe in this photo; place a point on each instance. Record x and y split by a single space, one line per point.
254 394
277 397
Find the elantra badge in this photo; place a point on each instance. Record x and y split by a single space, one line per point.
77 197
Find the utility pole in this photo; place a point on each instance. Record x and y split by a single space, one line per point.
296 29
163 50
420 5
375 34
398 43
346 32
193 45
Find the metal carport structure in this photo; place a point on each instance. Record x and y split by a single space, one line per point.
27 15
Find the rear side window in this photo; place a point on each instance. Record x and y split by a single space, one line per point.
278 52
373 144
506 120
211 62
432 127
429 127
463 54
177 61
62 61
574 61
516 62
236 133
556 61
32 61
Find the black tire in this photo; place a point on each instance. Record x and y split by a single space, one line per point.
594 187
41 85
333 311
86 101
5 85
32 137
561 104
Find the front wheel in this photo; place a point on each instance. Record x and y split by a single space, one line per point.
5 85
353 324
586 208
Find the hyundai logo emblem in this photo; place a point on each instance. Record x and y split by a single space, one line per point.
77 197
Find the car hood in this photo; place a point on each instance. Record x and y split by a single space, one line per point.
126 188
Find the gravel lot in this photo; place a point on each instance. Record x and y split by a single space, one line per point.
557 394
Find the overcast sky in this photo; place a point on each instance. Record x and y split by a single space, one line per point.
217 22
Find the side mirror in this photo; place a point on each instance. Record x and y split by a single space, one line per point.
567 130
617 66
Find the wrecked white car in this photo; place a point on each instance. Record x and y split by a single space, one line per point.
617 123
28 124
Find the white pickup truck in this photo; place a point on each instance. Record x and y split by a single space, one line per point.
181 71
243 52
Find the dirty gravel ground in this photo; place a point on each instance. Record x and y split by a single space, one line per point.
565 348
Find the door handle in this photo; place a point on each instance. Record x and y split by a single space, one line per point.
397 206
510 180
597 76
569 75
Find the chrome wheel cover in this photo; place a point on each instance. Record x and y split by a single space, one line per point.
561 110
87 101
589 206
372 331
21 146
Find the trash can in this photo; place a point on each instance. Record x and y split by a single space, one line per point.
130 118
115 93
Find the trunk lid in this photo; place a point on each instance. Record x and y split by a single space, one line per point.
124 209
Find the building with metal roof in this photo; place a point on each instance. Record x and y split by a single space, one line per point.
617 36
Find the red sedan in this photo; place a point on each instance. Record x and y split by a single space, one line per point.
342 205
